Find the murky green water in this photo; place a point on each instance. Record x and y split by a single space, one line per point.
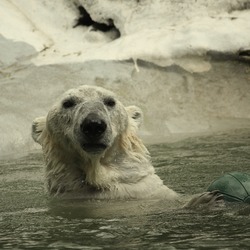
29 220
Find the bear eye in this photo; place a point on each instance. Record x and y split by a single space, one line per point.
136 115
69 103
110 102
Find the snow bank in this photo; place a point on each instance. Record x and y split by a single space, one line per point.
156 31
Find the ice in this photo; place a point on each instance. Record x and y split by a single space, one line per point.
157 31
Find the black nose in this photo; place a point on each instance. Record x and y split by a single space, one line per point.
93 127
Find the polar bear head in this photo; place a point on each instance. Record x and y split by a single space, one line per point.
88 119
89 135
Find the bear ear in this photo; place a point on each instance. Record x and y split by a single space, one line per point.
130 142
38 126
135 116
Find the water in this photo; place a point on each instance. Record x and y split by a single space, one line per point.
30 220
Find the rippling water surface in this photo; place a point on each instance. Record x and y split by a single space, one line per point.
29 220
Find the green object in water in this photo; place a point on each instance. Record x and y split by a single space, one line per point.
234 186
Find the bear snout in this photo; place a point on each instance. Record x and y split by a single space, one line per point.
93 128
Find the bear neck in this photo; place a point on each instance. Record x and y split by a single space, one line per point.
67 170
99 175
117 165
101 170
71 171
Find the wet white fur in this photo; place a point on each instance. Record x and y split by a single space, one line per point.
122 171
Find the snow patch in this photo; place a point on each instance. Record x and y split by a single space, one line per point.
162 32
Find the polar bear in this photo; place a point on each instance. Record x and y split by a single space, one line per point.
91 147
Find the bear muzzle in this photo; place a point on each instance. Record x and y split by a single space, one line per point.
92 129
